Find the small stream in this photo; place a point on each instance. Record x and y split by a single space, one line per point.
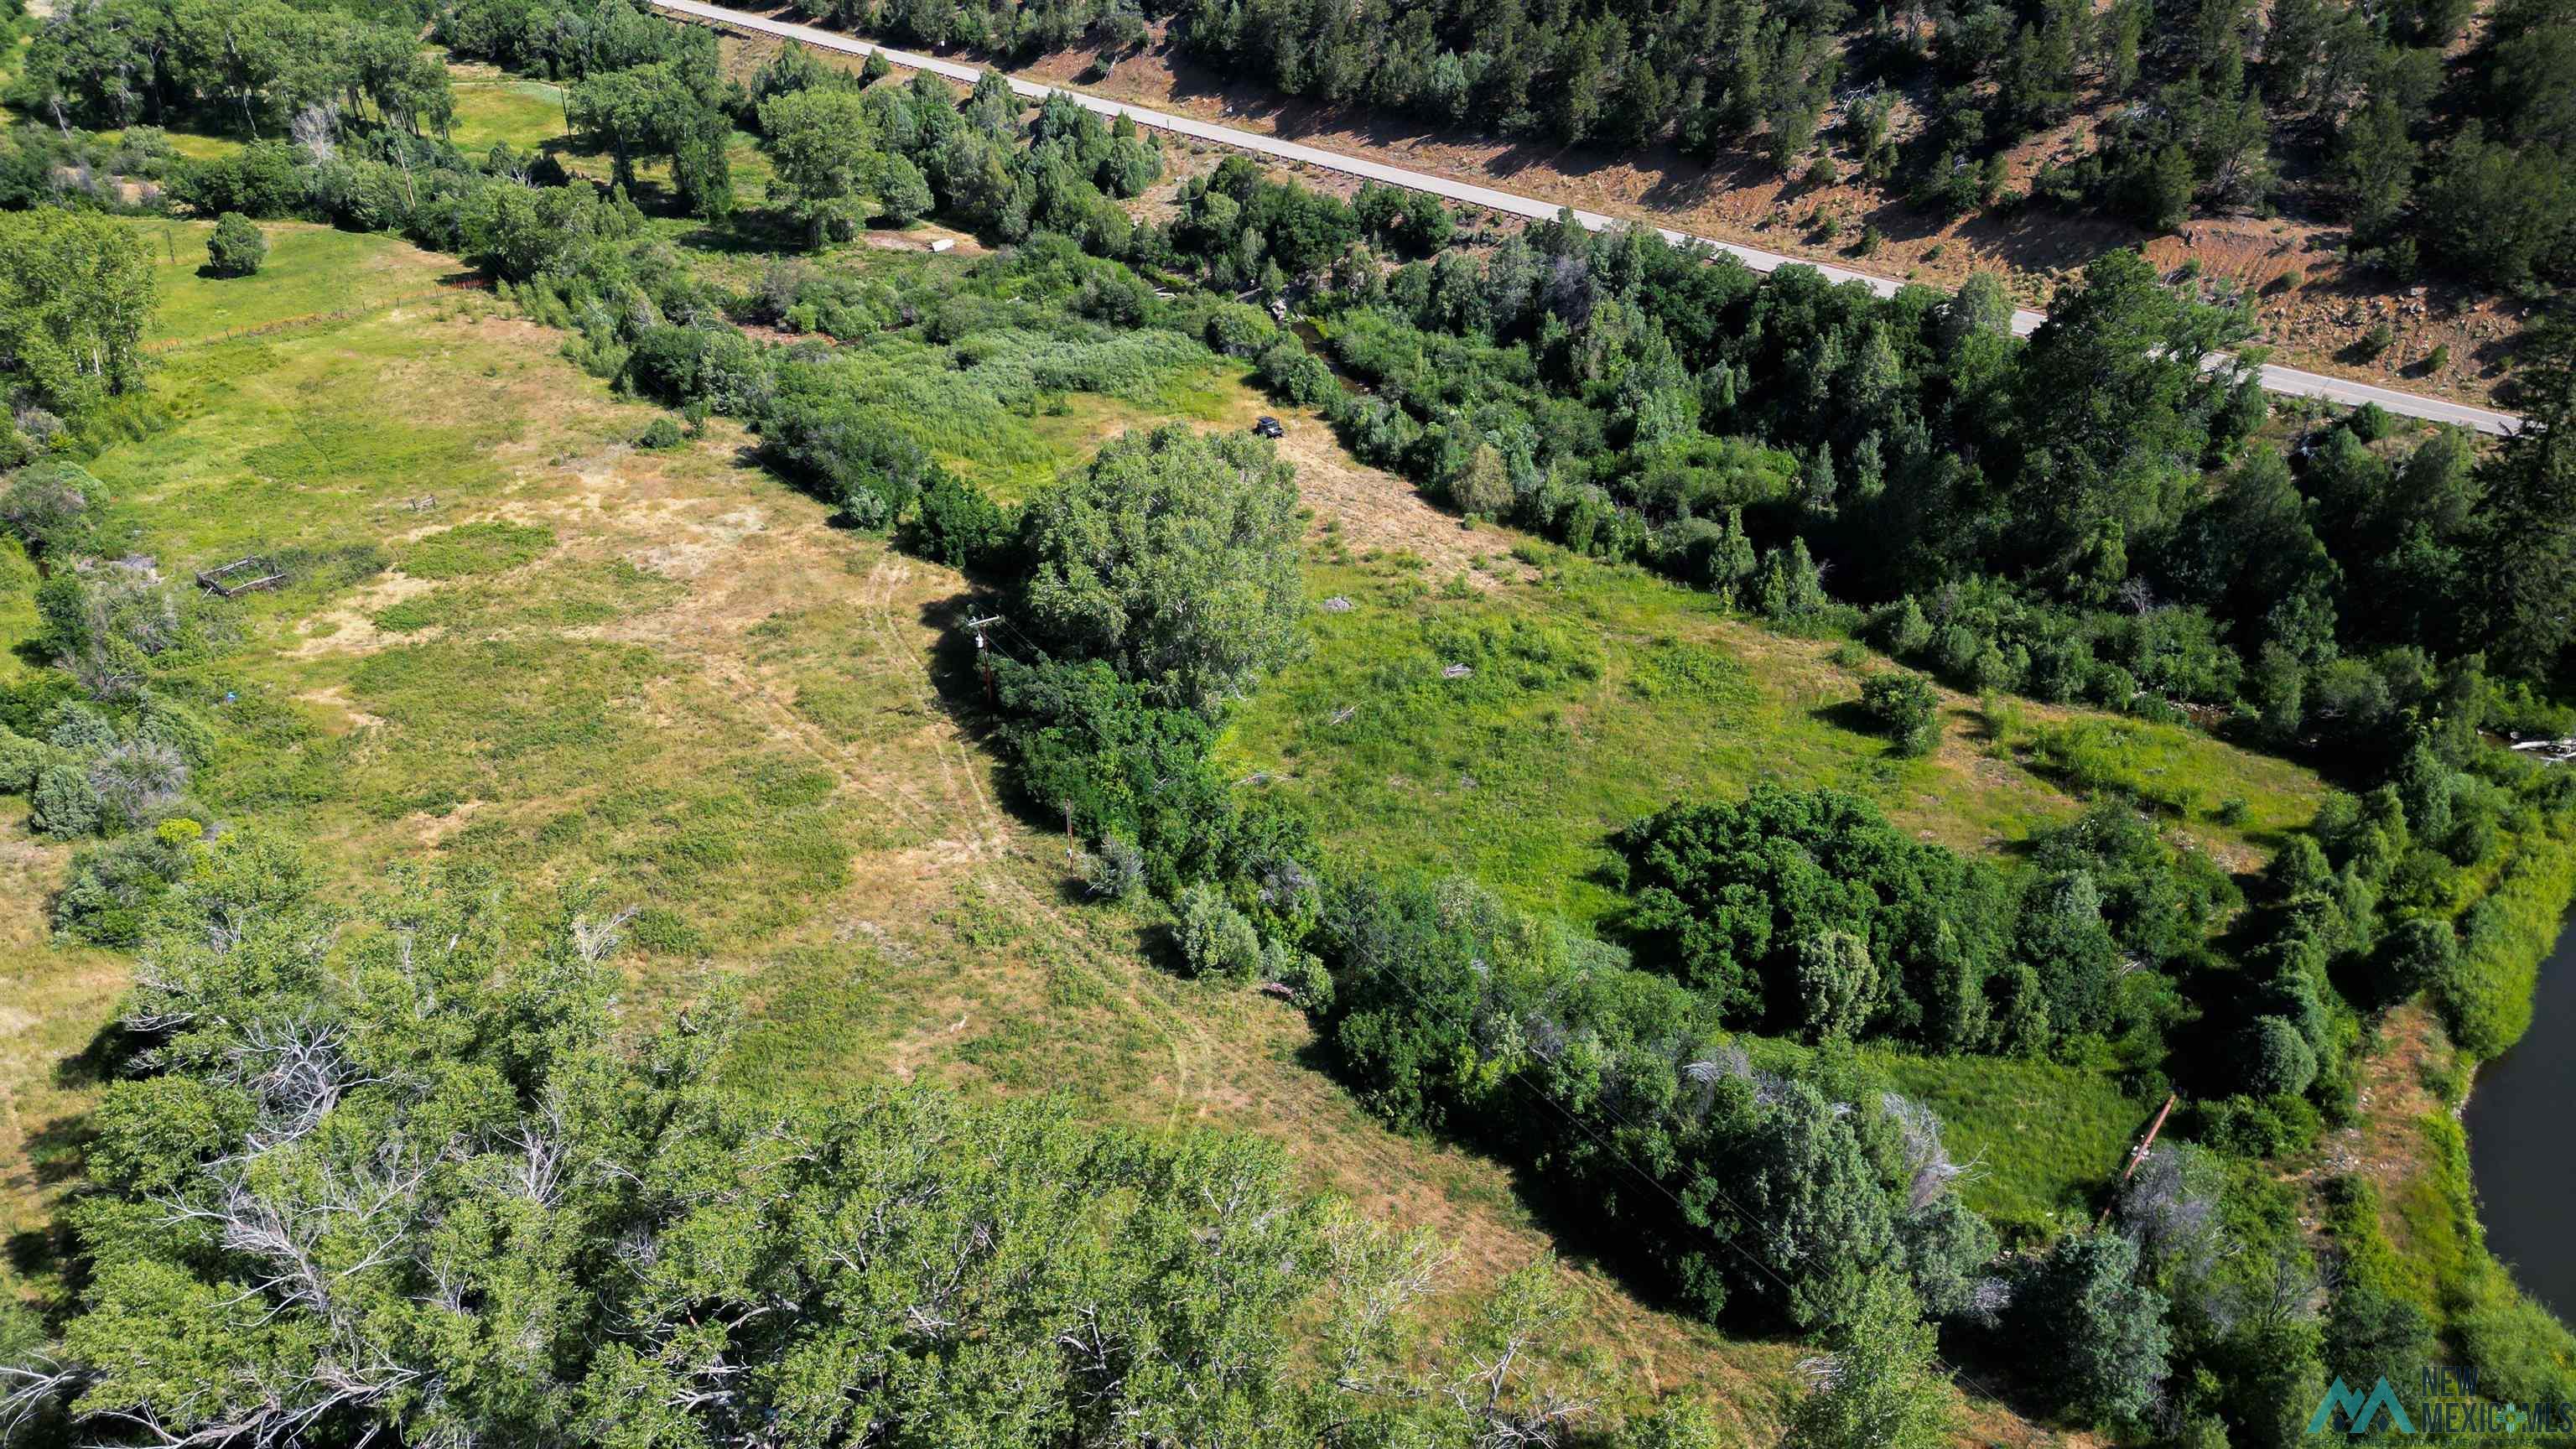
2519 1128
1313 338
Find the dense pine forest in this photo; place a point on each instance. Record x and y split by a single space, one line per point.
400 1162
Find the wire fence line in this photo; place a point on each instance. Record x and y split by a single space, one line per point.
167 345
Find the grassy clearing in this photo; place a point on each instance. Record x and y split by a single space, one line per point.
2043 1136
1022 455
575 596
2182 772
187 143
311 272
2040 1139
472 549
991 407
493 108
1594 695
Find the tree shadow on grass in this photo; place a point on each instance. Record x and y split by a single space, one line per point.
47 1252
1849 715
56 1152
101 1060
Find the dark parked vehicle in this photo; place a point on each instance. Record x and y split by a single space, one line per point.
1269 427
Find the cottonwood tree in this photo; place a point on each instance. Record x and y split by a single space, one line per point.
668 108
1880 1387
53 507
255 64
1725 894
75 290
823 143
1819 1217
2115 403
383 1173
1174 554
2106 1332
903 194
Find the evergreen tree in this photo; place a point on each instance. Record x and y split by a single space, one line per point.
2377 159
2527 529
235 248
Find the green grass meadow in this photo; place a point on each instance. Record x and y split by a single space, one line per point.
312 273
492 108
2040 1139
1591 696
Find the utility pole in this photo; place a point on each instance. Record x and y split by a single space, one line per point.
2138 1155
983 654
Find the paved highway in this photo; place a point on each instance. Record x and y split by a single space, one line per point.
2287 380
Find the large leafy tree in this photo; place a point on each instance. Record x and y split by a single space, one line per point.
1816 1213
256 64
823 143
53 507
384 1173
2113 412
1728 895
74 293
667 108
1175 555
2105 1330
1882 1386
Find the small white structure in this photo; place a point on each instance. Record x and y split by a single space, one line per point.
944 244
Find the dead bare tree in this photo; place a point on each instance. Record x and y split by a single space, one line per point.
1489 1390
316 130
595 940
1930 1168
